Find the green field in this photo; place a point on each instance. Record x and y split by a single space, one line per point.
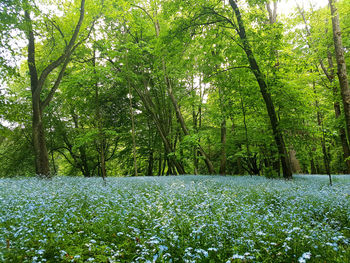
175 219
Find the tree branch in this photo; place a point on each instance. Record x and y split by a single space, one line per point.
65 55
31 53
230 68
59 30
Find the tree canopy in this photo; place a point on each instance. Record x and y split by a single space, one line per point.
160 87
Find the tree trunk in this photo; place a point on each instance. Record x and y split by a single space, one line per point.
223 158
339 54
223 147
132 121
83 163
286 167
323 139
337 110
150 163
183 124
39 144
101 136
195 129
343 140
313 166
42 167
147 101
195 149
160 164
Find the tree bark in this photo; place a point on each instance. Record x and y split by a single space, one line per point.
286 167
342 73
42 167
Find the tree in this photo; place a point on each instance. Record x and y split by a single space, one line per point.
341 65
287 172
37 83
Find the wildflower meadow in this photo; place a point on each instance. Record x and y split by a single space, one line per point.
175 219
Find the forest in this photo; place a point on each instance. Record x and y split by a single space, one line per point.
132 87
245 104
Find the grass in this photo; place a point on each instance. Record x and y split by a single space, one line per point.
175 219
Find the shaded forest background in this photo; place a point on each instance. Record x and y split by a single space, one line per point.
110 88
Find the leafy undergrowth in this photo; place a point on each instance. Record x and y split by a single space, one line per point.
175 219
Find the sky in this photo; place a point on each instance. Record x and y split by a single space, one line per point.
287 6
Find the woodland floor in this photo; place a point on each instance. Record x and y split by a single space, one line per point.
175 219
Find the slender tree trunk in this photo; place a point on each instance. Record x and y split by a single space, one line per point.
132 121
342 73
195 149
170 167
223 147
150 150
82 164
223 159
101 137
160 164
274 53
195 129
150 163
164 163
286 167
323 139
53 162
52 152
313 166
247 144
